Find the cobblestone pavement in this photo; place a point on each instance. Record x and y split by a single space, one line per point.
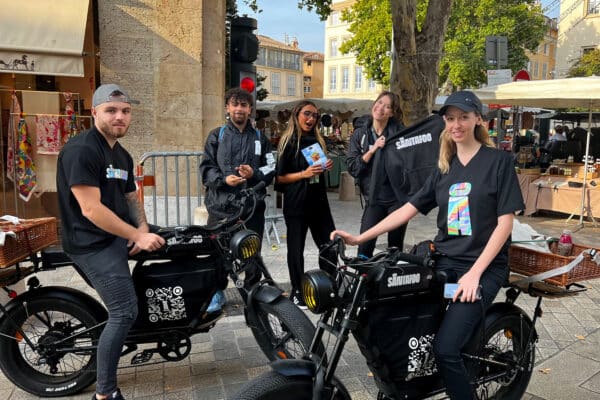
221 361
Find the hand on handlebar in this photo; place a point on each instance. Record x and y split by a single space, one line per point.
146 241
346 237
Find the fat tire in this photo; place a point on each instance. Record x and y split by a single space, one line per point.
519 329
274 386
17 369
293 320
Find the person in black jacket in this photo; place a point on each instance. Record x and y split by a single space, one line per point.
366 145
236 156
305 204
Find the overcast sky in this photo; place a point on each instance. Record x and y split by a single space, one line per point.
281 18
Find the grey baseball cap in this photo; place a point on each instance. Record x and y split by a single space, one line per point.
111 92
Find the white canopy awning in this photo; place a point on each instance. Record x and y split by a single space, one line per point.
42 37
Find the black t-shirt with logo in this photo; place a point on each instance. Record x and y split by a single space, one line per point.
88 160
470 200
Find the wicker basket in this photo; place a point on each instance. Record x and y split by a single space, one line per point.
530 262
32 236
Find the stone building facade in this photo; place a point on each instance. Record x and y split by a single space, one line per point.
171 55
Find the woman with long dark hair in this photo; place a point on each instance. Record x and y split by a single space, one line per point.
366 146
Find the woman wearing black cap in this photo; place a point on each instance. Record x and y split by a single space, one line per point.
477 191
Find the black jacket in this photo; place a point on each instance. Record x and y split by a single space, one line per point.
360 142
227 148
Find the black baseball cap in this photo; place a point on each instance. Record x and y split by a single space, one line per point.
465 100
111 92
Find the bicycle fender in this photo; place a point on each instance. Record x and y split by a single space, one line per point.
498 309
294 367
266 294
59 293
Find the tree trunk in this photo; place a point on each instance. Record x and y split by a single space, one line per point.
416 55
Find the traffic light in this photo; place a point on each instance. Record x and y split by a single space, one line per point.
243 51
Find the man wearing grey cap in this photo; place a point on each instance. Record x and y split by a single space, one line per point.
100 218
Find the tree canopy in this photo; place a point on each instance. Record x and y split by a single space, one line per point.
432 41
587 65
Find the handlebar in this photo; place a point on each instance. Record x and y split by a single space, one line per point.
395 256
205 230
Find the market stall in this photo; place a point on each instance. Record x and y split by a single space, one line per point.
556 93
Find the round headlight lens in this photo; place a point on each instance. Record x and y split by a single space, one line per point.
245 244
318 291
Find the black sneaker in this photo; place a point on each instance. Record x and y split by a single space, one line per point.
116 395
296 298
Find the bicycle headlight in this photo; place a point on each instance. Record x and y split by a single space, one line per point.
245 244
318 291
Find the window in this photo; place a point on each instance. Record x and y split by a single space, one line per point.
335 18
291 85
593 7
275 83
333 47
544 71
332 80
371 84
306 89
345 78
274 59
261 57
535 69
358 77
546 49
585 50
292 61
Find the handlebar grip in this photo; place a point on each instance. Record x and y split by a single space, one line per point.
411 258
259 186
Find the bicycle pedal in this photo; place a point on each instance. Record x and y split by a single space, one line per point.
143 357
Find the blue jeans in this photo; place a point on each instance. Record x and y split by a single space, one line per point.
108 271
457 328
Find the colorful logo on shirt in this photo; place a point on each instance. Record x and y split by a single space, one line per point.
459 214
116 173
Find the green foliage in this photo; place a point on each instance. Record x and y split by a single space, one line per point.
372 37
587 65
471 21
261 92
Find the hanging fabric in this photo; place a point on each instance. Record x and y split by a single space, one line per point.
15 111
25 172
70 127
49 132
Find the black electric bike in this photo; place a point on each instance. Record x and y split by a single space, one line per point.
392 304
49 334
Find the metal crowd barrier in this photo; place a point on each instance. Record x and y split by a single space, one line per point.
175 185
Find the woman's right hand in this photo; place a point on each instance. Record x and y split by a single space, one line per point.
379 143
348 238
313 170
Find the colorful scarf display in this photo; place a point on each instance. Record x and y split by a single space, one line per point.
15 110
25 172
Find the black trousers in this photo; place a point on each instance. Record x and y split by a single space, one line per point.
257 224
460 323
372 215
320 222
